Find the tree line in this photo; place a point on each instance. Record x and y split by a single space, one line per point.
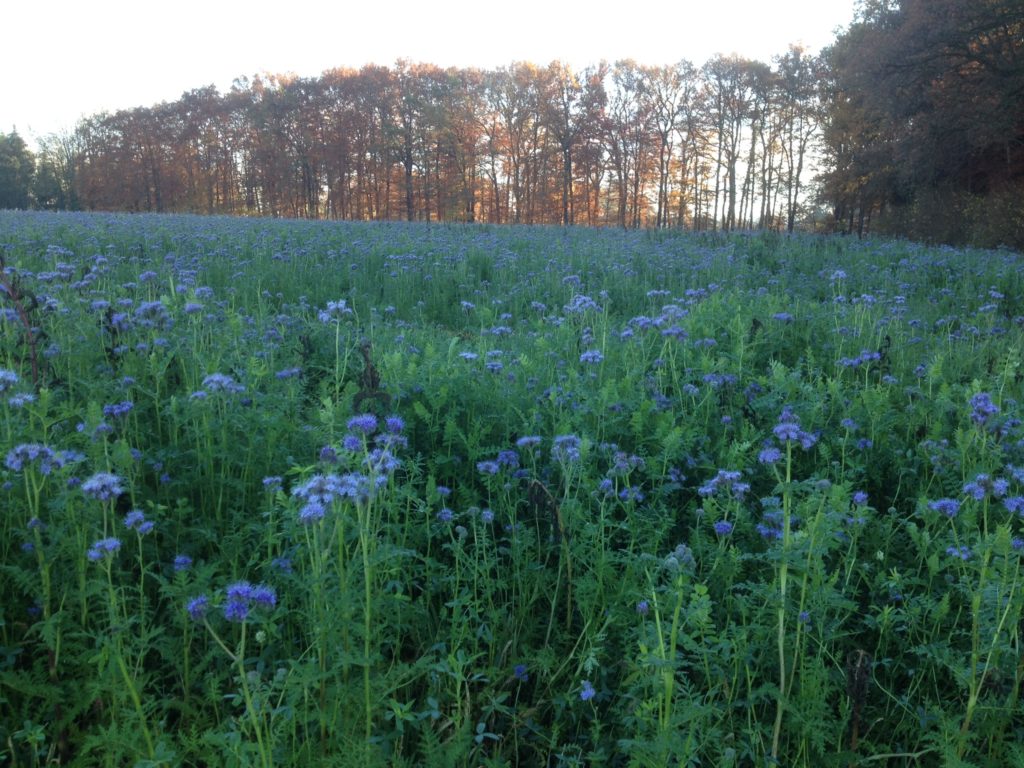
914 117
723 145
924 121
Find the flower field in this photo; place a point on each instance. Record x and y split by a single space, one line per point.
286 493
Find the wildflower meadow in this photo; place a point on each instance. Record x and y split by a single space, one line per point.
287 493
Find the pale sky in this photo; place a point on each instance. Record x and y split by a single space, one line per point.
64 59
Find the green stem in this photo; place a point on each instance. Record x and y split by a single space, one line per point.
250 708
787 504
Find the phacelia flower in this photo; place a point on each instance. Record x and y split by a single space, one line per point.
983 485
961 552
197 607
725 480
528 441
103 548
136 521
565 448
8 379
118 410
29 453
103 486
1014 505
241 596
220 382
982 408
365 423
948 507
335 310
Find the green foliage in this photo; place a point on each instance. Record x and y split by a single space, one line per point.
17 167
713 543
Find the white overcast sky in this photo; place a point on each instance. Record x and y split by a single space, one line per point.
63 59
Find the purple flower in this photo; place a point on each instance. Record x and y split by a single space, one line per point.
21 400
519 673
788 430
28 453
587 692
264 596
725 480
241 595
508 458
722 527
181 563
769 455
365 423
591 356
983 485
445 515
528 441
220 382
1014 505
631 494
948 507
983 409
236 610
311 512
197 607
581 304
963 553
487 467
8 379
381 462
103 548
643 607
394 424
860 498
335 310
103 486
565 448
118 410
136 521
